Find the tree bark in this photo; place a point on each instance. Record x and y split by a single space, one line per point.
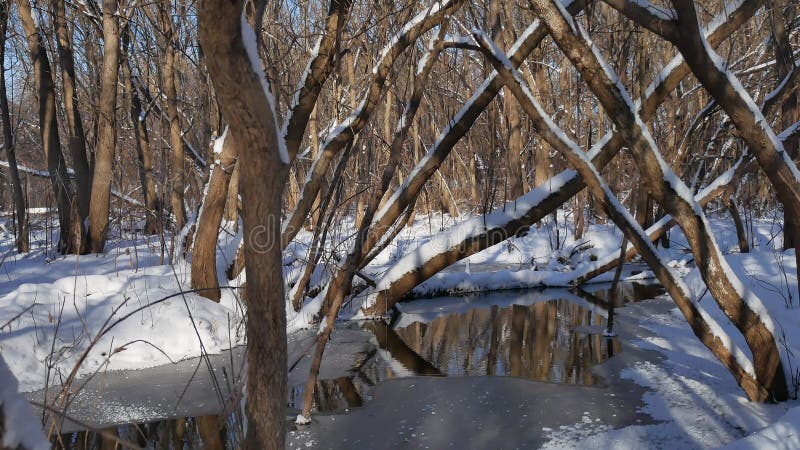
106 130
204 250
69 240
666 188
20 205
175 135
76 139
244 103
152 202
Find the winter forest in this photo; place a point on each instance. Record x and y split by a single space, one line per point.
417 224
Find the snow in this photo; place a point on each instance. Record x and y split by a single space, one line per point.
693 400
783 434
19 427
66 303
219 143
251 47
90 287
564 144
794 128
659 12
470 227
777 91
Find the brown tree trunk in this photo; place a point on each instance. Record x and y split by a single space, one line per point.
314 138
634 232
733 210
69 240
658 178
175 136
517 179
76 139
152 202
232 202
210 431
246 108
204 250
106 131
8 143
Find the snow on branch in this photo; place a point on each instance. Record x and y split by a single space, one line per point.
251 48
71 173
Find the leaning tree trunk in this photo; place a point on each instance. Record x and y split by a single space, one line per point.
106 131
714 340
8 143
394 286
204 250
244 100
69 240
671 193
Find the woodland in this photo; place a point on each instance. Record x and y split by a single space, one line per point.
305 164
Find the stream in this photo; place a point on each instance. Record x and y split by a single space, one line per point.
463 356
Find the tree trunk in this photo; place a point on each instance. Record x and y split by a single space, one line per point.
76 138
733 210
175 135
232 202
8 143
106 131
661 182
69 240
152 202
204 250
244 103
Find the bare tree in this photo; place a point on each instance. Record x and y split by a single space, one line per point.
70 235
232 59
76 139
107 129
8 143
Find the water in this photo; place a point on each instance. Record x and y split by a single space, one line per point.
553 336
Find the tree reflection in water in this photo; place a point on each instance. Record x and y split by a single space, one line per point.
553 341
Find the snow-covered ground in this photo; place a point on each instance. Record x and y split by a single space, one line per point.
692 397
55 311
20 428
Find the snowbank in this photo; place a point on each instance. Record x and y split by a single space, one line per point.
19 429
52 311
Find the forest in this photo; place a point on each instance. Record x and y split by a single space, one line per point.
330 220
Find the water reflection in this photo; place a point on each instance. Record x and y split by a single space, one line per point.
556 337
554 341
206 432
540 342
